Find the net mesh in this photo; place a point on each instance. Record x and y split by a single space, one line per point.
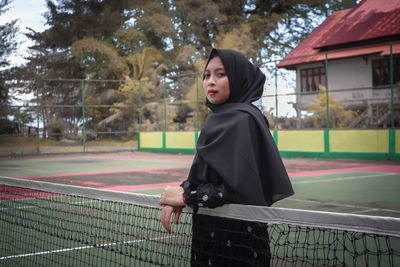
45 224
44 229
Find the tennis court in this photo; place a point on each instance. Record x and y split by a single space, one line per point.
58 228
342 185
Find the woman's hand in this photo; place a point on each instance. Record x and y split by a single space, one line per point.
172 195
166 213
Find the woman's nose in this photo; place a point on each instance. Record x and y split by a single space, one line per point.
211 80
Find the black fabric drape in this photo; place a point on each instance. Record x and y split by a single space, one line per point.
236 142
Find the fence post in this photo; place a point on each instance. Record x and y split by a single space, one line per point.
140 113
326 131
83 116
276 105
38 115
165 116
196 133
392 140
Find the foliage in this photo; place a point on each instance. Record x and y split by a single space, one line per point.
8 45
339 116
105 58
8 31
131 41
129 91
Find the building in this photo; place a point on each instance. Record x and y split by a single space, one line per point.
353 50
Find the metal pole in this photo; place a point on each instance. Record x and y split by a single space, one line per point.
165 106
83 116
391 86
140 106
165 116
326 91
196 133
197 102
392 138
276 105
38 115
140 112
326 131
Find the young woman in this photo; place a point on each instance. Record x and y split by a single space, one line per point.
237 161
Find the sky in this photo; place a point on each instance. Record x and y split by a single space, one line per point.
30 14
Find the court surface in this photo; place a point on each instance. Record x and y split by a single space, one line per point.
367 187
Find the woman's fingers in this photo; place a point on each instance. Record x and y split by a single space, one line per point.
178 211
166 213
166 217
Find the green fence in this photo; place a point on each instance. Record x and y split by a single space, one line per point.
75 115
312 112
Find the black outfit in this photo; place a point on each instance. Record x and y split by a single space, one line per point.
237 161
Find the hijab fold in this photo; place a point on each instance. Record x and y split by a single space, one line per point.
236 145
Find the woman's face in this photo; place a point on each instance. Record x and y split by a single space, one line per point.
216 82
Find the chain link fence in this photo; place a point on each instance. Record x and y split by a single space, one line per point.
77 115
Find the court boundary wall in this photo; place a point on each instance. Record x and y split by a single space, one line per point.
322 143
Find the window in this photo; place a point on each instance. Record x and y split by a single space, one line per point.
381 71
312 78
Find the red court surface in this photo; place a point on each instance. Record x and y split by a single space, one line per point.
156 176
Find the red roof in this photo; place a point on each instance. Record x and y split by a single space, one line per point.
369 20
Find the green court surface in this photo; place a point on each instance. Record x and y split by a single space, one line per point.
351 192
358 192
323 185
27 167
344 187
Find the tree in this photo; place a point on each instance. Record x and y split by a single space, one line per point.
137 40
8 45
51 61
117 55
339 116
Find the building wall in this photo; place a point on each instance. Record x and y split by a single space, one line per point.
350 73
347 74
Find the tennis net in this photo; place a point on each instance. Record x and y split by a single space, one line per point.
46 224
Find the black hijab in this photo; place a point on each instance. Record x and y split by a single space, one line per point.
235 145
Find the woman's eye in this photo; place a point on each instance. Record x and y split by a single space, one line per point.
206 75
221 74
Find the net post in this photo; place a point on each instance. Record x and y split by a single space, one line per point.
38 115
326 130
83 116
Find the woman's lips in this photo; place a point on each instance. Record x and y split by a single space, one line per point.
211 92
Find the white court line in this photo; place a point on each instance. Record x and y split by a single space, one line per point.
365 211
47 206
85 247
344 205
344 178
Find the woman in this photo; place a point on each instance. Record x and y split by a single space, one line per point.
237 161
